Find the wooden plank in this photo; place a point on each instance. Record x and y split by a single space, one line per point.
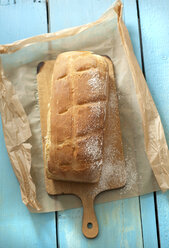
122 218
149 228
19 227
147 206
118 221
155 37
22 20
163 218
63 14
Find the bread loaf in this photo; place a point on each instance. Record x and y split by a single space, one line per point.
76 117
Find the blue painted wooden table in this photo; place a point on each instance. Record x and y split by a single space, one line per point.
136 222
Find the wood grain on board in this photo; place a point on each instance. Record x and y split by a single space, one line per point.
111 161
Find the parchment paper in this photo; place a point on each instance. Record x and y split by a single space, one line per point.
145 148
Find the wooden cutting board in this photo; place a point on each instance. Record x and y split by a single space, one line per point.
113 174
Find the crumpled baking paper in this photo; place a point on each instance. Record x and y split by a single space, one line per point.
145 148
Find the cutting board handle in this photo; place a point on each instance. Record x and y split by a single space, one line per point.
89 226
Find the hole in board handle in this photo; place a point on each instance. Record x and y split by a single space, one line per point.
89 225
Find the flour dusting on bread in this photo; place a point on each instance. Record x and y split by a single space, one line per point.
83 79
92 147
96 82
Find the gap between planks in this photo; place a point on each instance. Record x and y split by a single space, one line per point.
142 63
48 30
47 15
143 70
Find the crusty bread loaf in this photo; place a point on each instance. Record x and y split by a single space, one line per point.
76 117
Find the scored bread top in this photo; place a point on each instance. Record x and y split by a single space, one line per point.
76 117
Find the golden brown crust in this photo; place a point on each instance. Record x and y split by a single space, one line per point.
77 116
